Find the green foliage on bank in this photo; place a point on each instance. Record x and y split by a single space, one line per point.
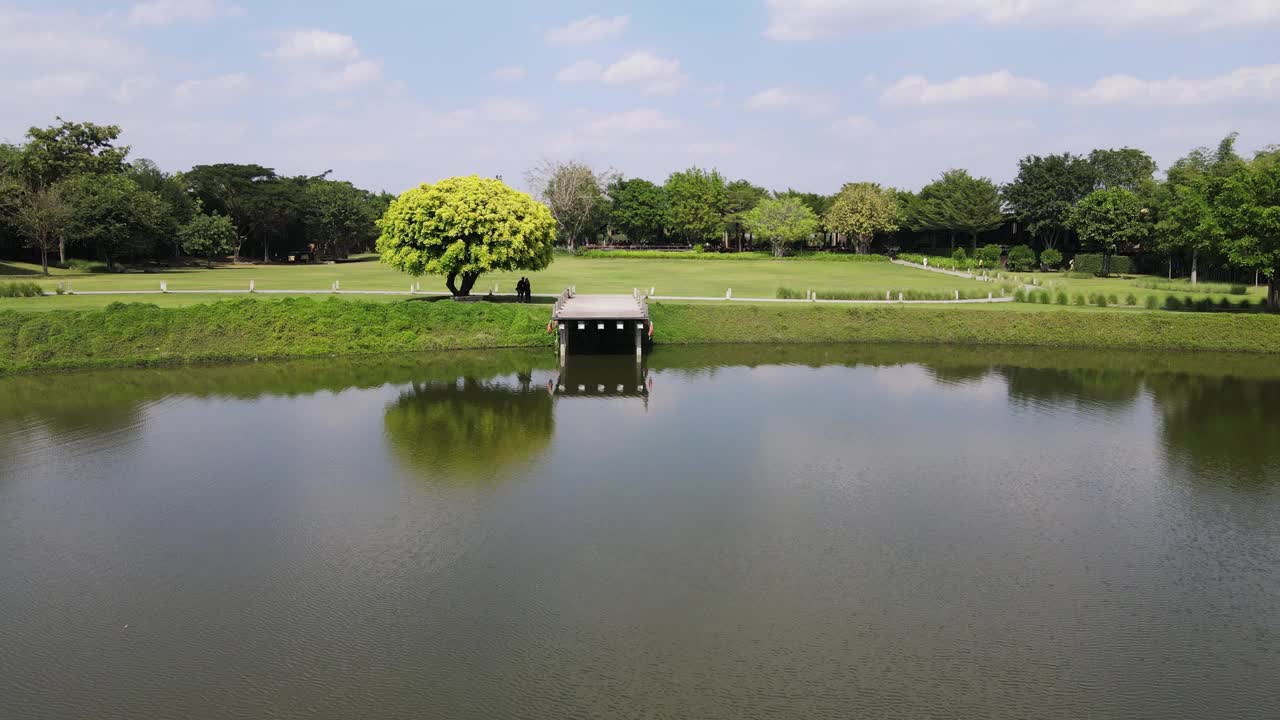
138 334
677 324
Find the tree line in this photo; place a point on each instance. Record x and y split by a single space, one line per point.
1212 204
71 189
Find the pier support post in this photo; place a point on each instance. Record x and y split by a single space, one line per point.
564 342
639 342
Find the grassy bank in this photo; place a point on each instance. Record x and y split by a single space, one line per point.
140 334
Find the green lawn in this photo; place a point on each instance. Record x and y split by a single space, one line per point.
748 278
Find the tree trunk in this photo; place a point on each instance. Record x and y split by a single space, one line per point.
62 252
468 282
266 253
44 258
1195 267
864 244
1273 290
953 242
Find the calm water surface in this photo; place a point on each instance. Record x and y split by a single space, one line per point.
828 532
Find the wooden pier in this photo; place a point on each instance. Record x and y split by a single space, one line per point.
601 321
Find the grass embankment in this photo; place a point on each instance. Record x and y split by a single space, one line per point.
140 334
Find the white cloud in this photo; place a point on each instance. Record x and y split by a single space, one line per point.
581 71
1246 84
641 121
63 41
853 126
655 75
510 73
158 13
214 89
779 99
1002 85
798 20
308 46
320 61
588 30
72 83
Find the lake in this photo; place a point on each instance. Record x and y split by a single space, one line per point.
723 532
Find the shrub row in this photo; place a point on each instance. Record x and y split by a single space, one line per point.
22 288
786 293
1186 286
752 255
1091 263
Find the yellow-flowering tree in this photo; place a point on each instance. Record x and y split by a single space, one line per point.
464 226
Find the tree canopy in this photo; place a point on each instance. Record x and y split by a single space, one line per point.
696 203
638 209
861 210
957 202
1045 191
782 222
1110 219
465 226
207 235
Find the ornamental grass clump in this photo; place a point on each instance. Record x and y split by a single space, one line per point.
22 288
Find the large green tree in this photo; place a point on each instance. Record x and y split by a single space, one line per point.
464 226
42 216
861 210
1107 220
740 196
1249 211
112 216
179 205
1121 168
237 191
207 235
1189 221
638 209
338 217
61 151
957 202
1045 192
782 223
696 202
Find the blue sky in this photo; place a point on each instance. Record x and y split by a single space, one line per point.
787 93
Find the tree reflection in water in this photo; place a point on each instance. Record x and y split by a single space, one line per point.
470 430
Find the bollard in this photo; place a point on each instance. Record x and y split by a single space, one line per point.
251 284
900 298
411 286
990 296
886 295
164 287
957 294
653 291
728 294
